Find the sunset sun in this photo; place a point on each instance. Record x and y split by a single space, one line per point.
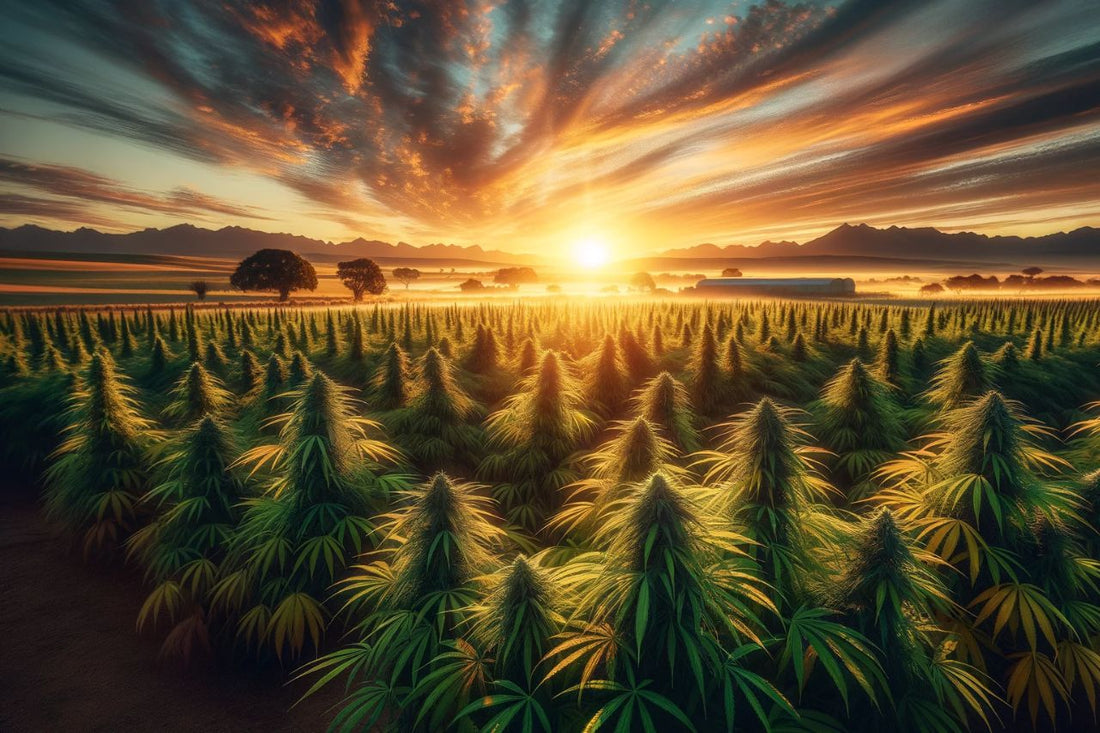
591 253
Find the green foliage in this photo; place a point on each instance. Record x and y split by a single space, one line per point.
859 422
664 402
606 386
962 376
316 513
438 426
197 394
518 619
978 499
635 452
414 601
198 508
770 487
391 384
99 472
667 587
534 437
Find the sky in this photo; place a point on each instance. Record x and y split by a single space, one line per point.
529 126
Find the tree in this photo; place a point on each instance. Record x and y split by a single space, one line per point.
199 288
931 289
361 276
643 281
515 276
1032 271
731 272
274 270
971 282
406 275
470 285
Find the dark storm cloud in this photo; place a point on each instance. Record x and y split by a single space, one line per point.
456 113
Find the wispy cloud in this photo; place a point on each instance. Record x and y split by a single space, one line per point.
509 120
77 188
35 207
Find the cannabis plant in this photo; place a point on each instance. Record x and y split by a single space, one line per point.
101 469
534 437
438 426
197 507
315 515
860 423
770 487
415 601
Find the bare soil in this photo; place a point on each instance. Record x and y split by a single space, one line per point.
71 660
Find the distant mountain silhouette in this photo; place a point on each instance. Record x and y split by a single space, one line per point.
1078 247
767 248
234 243
923 243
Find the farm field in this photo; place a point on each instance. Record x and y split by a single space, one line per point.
550 367
42 279
563 515
31 279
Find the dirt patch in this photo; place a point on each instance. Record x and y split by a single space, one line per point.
70 659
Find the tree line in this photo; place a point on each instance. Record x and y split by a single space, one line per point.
284 272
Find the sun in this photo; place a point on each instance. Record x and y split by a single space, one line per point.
591 253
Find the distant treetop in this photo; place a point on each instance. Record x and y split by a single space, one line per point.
515 276
643 281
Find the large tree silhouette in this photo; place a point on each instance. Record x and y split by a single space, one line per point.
274 271
361 276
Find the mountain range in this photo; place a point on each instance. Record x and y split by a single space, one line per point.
1080 247
236 243
924 243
